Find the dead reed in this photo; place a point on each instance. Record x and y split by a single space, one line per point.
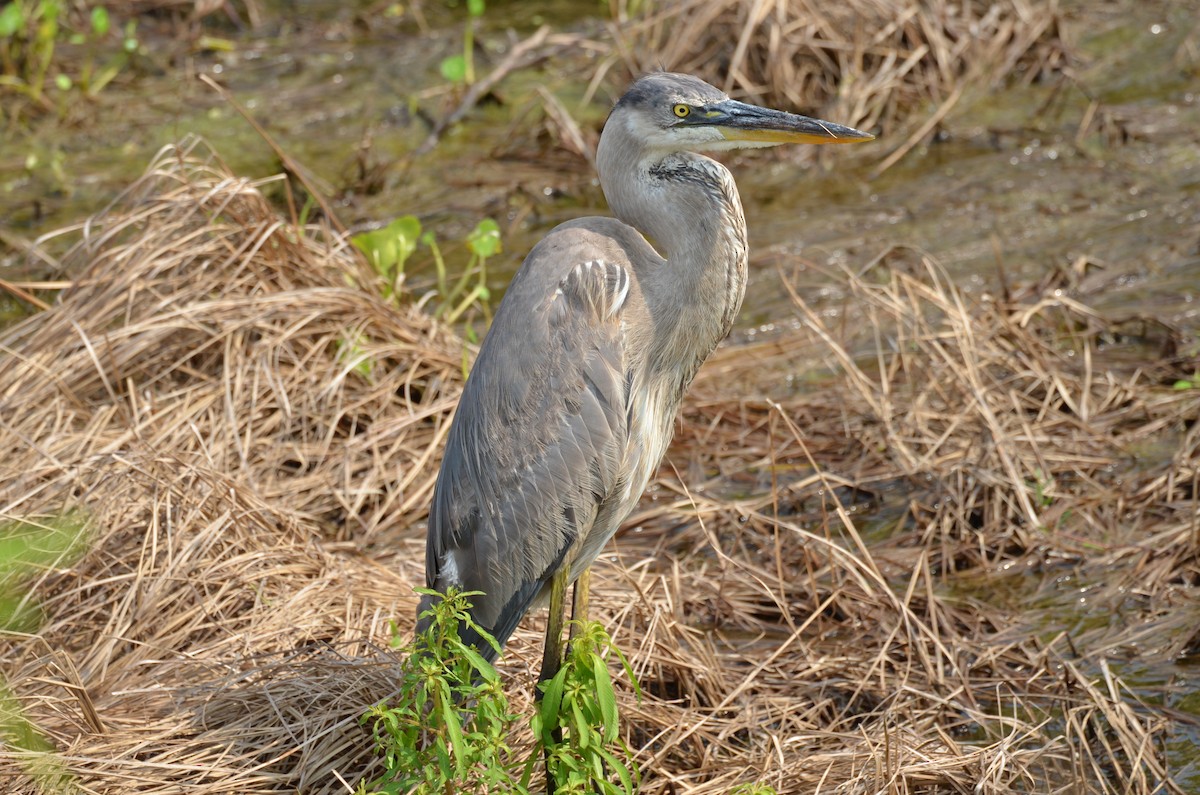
786 594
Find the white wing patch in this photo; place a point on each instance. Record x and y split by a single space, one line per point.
598 286
448 570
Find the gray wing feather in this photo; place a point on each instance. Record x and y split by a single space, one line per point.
536 447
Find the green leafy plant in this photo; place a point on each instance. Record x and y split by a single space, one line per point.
429 744
27 547
388 250
31 33
577 722
446 729
461 68
483 242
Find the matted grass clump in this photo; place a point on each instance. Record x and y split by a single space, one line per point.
252 436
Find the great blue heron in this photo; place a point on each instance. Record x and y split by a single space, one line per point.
570 405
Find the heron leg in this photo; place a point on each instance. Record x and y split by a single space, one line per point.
552 655
579 602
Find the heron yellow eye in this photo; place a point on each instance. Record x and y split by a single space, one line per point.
682 111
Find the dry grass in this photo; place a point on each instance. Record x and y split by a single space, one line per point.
256 504
198 393
874 64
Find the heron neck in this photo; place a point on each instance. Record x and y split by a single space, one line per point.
689 205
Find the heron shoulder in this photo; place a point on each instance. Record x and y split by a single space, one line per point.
585 239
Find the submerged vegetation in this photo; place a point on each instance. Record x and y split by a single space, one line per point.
920 532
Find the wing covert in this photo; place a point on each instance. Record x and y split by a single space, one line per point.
535 451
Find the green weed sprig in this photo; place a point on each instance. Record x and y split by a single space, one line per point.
580 705
429 742
446 730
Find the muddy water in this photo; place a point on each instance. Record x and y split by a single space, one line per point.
1015 177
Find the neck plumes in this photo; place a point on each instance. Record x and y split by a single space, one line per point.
689 206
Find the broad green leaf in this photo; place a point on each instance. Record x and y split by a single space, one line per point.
585 733
456 738
387 249
482 666
407 231
484 240
620 767
443 760
607 698
552 702
380 252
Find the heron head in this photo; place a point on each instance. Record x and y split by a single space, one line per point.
670 112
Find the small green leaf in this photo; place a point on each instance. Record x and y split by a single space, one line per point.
484 240
581 726
100 21
456 738
475 7
1183 384
454 69
389 248
622 770
607 698
62 82
552 701
482 666
11 19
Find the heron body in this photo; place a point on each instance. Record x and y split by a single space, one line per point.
571 402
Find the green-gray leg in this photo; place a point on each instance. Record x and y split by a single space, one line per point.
552 654
579 601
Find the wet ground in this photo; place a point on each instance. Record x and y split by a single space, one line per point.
1027 176
1098 173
